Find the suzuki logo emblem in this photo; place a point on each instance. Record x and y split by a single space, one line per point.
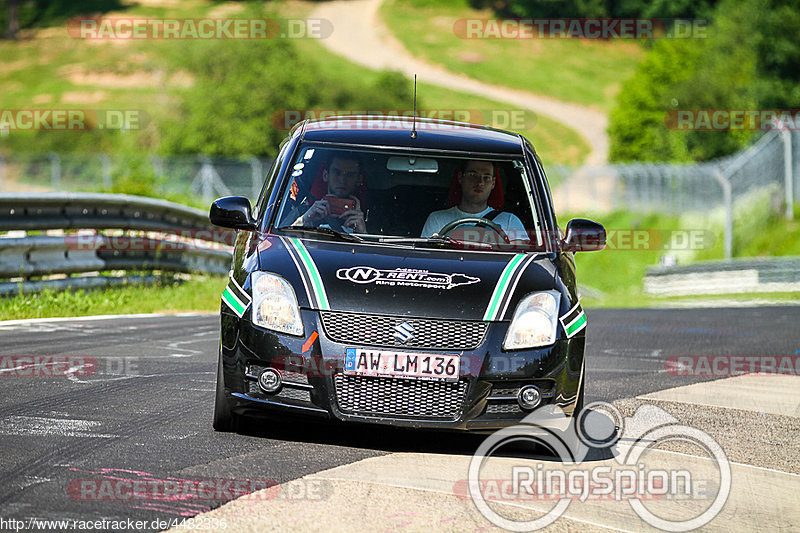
403 332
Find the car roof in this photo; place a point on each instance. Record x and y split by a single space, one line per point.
395 131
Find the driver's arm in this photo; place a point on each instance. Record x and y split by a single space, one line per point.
432 225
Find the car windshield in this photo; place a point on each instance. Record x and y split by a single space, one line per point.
410 198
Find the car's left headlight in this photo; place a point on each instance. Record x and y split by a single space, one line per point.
275 304
535 321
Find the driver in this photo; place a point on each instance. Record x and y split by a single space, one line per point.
477 180
342 175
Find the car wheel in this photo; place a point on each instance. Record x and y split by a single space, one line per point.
224 419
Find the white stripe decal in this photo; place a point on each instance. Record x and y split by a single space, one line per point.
241 290
291 251
513 287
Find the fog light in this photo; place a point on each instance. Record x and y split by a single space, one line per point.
269 381
529 397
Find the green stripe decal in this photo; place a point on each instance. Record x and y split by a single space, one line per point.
576 325
233 302
501 287
311 268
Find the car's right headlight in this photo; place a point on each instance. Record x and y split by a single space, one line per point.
275 304
535 321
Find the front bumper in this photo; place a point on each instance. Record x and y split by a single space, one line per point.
484 398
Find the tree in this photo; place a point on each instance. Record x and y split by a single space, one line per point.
13 19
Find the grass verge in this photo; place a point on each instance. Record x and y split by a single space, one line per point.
618 271
554 142
584 71
196 294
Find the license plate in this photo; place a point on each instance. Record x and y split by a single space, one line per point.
358 362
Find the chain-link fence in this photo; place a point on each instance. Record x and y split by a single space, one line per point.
200 177
770 169
766 173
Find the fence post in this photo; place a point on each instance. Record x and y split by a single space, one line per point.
255 176
55 170
106 162
2 172
787 172
727 197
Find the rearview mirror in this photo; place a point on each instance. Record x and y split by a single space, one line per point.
412 164
232 212
584 236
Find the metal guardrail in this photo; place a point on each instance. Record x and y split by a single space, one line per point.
774 274
185 242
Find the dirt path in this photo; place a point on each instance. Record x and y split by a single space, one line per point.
360 36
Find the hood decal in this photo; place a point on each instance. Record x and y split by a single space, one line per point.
506 285
405 277
309 273
235 297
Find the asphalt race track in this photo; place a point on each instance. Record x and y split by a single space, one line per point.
72 445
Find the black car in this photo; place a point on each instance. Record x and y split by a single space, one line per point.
401 272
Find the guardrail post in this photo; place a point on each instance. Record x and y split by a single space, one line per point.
106 162
255 176
787 172
55 170
728 199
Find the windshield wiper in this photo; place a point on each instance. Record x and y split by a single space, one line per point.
436 240
326 231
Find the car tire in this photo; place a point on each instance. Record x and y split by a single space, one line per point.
224 419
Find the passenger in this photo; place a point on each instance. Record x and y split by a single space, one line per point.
477 180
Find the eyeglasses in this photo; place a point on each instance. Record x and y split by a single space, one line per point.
473 175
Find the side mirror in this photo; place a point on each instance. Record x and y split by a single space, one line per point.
232 212
584 236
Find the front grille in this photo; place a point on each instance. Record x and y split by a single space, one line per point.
400 397
378 330
494 408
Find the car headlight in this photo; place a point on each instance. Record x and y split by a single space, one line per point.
275 304
535 321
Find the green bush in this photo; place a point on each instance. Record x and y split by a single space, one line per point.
242 87
750 60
